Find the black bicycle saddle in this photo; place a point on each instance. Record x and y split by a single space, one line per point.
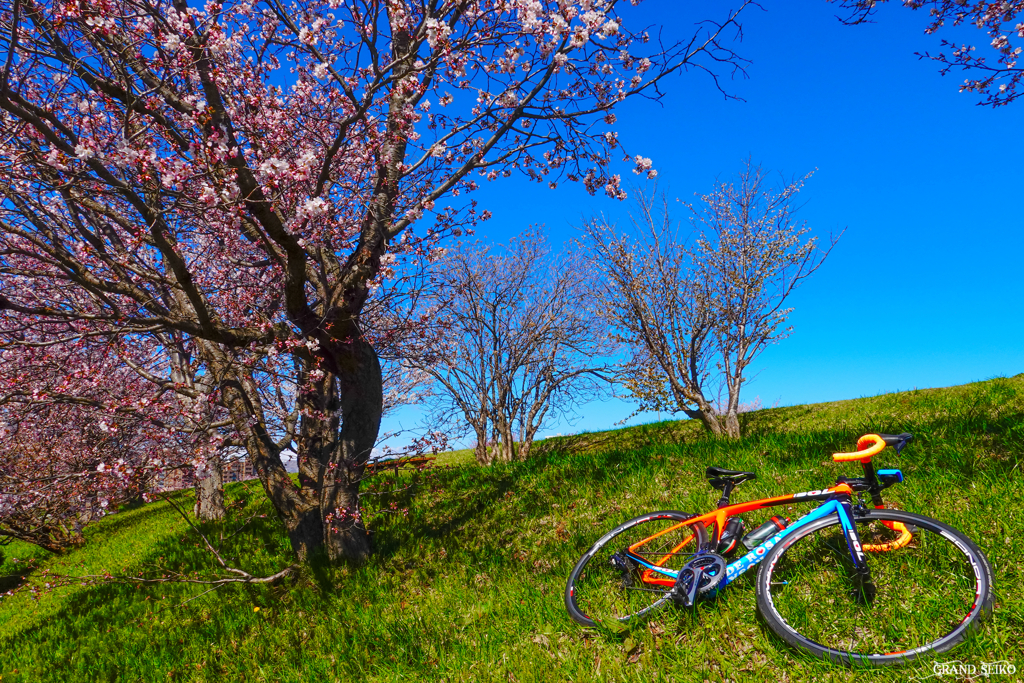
719 476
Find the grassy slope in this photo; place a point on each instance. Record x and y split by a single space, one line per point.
468 586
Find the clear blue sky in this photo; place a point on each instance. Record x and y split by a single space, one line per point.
925 288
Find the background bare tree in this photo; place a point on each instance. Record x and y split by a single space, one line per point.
521 343
695 315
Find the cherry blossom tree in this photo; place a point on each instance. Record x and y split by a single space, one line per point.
81 433
521 343
999 81
243 175
695 313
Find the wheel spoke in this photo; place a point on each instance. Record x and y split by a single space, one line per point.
922 592
613 583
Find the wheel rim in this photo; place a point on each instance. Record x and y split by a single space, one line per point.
614 583
923 592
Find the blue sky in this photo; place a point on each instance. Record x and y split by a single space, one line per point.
925 287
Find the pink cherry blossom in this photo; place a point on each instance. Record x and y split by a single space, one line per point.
999 80
203 196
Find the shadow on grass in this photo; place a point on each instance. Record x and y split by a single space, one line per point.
475 515
9 582
123 605
121 521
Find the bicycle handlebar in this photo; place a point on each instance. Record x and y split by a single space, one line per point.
867 446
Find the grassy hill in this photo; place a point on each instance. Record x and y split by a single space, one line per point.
471 563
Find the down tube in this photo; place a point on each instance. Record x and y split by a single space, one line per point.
754 557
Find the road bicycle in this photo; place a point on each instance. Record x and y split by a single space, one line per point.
846 582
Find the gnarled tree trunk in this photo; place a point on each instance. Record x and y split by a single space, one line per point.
718 424
340 419
361 398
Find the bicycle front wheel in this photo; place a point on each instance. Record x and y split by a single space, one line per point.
928 594
613 580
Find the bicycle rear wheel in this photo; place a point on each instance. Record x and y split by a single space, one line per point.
610 582
928 594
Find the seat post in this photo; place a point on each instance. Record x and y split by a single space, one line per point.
726 490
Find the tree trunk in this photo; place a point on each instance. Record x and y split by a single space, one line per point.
483 456
345 534
494 446
305 532
340 419
731 424
210 491
361 397
296 505
506 445
709 419
526 443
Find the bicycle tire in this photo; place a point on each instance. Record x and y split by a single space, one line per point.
927 595
598 591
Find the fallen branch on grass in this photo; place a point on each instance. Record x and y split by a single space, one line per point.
398 463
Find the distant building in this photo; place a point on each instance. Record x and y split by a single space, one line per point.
175 480
239 470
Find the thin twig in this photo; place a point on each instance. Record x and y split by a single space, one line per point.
16 16
201 534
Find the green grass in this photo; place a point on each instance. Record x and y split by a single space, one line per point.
468 585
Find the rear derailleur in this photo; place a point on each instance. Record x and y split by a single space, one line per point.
625 566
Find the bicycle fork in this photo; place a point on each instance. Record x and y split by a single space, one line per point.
863 589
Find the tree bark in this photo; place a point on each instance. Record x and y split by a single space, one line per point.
210 492
505 445
731 424
523 451
361 397
526 444
709 419
483 455
722 425
345 535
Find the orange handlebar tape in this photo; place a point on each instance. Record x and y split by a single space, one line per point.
867 446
